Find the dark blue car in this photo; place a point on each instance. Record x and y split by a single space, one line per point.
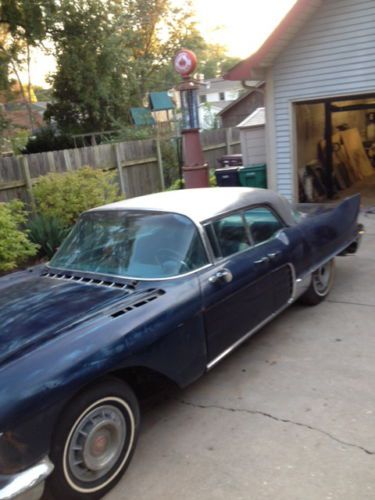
165 285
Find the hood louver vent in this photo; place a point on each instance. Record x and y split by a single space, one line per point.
88 281
152 295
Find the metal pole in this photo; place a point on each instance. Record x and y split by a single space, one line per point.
328 156
160 158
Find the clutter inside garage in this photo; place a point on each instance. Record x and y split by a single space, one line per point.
336 148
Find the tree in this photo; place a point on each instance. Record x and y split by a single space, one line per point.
23 24
109 55
88 89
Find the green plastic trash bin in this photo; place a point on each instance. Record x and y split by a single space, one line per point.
253 175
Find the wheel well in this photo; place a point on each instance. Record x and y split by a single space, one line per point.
144 381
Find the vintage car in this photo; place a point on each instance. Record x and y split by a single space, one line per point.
164 285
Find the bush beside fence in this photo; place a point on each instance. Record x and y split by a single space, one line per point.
138 164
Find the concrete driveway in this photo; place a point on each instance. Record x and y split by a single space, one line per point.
290 415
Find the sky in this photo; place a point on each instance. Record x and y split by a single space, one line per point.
240 25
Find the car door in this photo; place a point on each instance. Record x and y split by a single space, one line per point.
238 292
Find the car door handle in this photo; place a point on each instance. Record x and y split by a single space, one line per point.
273 255
263 260
222 275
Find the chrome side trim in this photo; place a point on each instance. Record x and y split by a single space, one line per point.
302 284
25 480
258 327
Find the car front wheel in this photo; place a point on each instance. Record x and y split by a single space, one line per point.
321 284
94 442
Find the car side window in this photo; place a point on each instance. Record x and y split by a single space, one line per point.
228 235
262 223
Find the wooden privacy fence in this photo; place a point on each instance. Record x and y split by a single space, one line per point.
139 164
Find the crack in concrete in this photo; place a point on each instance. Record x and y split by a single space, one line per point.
349 303
277 419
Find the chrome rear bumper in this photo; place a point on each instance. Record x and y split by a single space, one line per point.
28 484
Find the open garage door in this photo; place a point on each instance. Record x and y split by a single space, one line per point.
335 141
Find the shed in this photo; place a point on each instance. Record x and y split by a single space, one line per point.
253 137
319 69
236 111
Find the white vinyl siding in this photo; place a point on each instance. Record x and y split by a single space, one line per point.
253 145
332 55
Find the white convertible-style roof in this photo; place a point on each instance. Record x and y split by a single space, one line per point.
205 203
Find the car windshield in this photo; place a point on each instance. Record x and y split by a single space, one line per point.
132 244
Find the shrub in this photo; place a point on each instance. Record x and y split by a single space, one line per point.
47 232
15 247
170 161
180 183
47 139
64 196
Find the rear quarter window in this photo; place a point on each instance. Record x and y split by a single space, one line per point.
228 235
263 224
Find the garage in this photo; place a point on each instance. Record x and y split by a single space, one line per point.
335 142
319 73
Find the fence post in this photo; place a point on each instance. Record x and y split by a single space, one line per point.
68 163
228 140
51 161
28 182
119 169
160 159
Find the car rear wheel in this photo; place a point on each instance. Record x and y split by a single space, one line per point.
94 442
321 284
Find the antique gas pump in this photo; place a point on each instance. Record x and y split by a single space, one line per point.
195 170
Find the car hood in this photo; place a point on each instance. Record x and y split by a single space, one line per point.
37 309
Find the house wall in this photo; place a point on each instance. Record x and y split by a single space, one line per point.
332 55
229 95
241 110
253 145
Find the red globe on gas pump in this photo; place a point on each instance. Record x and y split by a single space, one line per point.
195 170
185 62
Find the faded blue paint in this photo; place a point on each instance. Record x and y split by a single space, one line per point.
58 336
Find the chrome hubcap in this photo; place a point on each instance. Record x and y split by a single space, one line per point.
322 278
97 443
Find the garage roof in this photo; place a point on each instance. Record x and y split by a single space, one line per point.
301 11
256 119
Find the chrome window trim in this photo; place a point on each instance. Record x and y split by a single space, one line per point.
241 211
238 342
201 233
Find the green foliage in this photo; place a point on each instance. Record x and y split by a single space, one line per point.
64 196
177 184
46 139
27 19
47 232
42 94
212 179
180 183
15 246
111 54
4 123
170 161
19 141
